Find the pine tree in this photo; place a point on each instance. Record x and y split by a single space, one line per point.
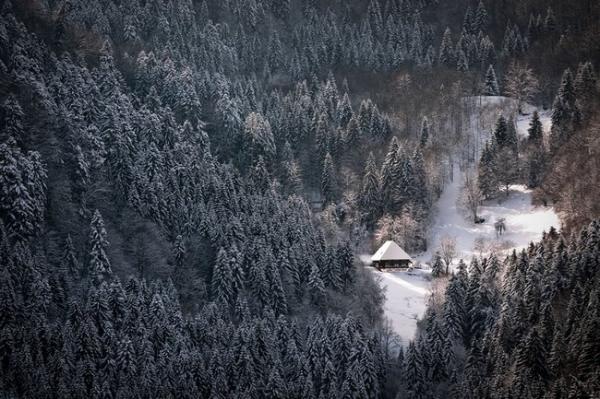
532 355
329 181
446 56
369 192
590 343
462 62
413 372
344 111
481 18
100 267
535 132
550 21
345 258
424 137
316 287
391 175
501 132
536 165
22 190
564 112
352 134
70 265
222 289
490 87
420 199
259 139
585 84
488 184
437 266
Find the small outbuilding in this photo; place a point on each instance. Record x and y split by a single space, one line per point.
390 255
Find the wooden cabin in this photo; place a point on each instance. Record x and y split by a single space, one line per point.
390 255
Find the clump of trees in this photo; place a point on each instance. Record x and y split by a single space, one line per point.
509 328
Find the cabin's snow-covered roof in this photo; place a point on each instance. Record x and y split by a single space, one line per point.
390 251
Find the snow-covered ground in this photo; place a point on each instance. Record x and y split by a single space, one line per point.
407 293
523 122
524 222
406 299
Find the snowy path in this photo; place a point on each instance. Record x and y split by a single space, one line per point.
406 300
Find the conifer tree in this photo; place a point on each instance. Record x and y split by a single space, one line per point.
100 267
391 175
565 112
462 62
490 87
481 18
535 134
446 56
437 266
369 192
488 184
316 287
585 84
222 290
329 184
550 21
344 111
424 136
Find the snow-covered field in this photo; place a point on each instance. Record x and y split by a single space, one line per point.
524 222
407 294
406 299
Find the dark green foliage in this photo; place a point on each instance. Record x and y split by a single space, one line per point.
329 182
565 112
490 85
437 266
370 200
535 133
514 341
488 183
175 131
152 149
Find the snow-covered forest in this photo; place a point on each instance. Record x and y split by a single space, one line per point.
188 189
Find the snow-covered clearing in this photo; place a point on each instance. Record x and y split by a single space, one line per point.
407 293
406 300
524 222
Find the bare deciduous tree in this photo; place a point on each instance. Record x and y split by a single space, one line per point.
403 229
448 250
521 84
481 245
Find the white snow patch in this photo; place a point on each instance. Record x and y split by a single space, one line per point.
406 300
524 222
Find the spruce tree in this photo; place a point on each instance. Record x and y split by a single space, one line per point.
370 192
490 86
481 18
391 175
316 287
222 289
486 178
424 136
446 56
329 184
535 133
100 267
501 132
437 266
